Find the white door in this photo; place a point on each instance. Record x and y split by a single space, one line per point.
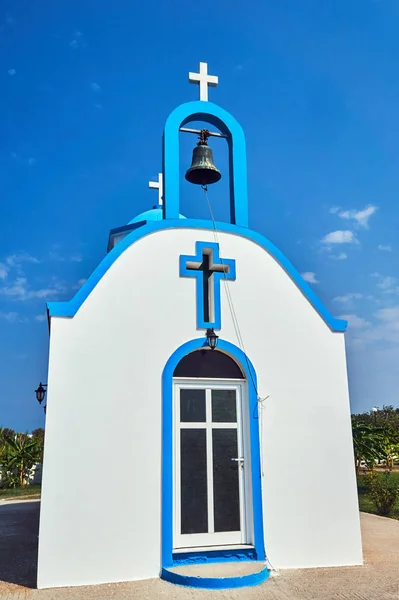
209 495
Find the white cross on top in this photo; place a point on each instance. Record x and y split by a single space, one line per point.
203 79
159 186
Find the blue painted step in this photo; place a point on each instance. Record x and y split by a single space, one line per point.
219 576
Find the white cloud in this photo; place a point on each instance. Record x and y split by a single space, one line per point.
381 337
41 318
19 290
95 87
359 217
14 260
11 72
386 283
44 293
355 322
388 314
340 237
384 248
16 289
348 297
11 317
79 284
340 256
3 271
309 277
387 329
55 255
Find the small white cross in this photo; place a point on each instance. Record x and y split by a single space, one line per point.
159 186
203 79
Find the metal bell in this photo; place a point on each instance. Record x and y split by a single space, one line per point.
203 170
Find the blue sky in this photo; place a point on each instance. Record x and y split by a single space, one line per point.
86 88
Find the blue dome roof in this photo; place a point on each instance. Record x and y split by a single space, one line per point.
155 214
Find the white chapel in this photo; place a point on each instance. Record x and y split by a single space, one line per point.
190 379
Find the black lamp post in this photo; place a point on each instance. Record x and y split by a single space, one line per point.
40 393
212 338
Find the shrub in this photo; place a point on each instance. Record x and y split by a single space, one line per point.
384 492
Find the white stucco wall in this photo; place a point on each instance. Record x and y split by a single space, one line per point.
104 415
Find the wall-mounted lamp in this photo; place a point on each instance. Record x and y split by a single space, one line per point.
40 394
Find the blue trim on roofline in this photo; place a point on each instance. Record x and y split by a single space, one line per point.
69 309
215 583
218 117
167 445
199 276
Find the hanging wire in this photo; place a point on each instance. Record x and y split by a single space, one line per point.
228 294
260 401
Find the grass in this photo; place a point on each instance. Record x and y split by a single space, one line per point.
25 492
365 503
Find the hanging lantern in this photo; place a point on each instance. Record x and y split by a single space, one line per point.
203 170
212 338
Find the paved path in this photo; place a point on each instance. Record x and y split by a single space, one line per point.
377 580
19 525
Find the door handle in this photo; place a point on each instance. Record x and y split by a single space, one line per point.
240 461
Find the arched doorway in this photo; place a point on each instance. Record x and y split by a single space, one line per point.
181 366
211 452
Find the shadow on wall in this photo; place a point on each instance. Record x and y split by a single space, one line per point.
19 531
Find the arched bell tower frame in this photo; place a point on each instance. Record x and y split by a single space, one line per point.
227 124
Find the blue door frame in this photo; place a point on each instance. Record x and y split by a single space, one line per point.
167 452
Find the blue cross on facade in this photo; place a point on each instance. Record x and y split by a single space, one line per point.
208 269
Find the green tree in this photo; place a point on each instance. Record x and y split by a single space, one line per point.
8 432
21 454
2 444
386 417
38 435
368 444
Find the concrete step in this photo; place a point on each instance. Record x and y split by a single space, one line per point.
223 575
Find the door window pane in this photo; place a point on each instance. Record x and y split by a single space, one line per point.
194 504
224 406
192 406
225 480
